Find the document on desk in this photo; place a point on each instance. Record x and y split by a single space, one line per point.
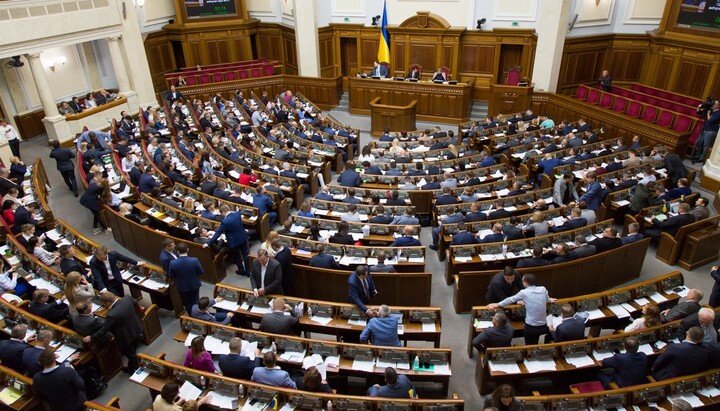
293 356
487 257
483 324
223 401
641 301
332 361
462 259
53 234
442 369
9 395
153 285
618 310
558 221
227 305
63 353
595 314
628 307
260 310
553 321
709 391
216 346
646 348
139 375
657 297
428 327
189 392
359 322
248 349
416 259
580 360
621 203
189 339
312 361
540 365
508 367
503 192
691 398
361 365
321 320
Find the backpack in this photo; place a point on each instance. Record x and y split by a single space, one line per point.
95 384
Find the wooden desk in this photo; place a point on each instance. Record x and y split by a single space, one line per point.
27 402
385 116
506 99
445 103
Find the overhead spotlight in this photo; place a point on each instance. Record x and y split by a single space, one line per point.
480 23
15 62
375 20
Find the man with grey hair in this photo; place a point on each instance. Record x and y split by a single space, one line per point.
582 249
12 350
30 356
381 330
705 319
691 305
499 335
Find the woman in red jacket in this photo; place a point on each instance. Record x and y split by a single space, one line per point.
247 177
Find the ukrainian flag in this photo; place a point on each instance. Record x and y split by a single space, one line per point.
384 48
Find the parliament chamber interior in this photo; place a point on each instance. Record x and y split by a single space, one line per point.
396 205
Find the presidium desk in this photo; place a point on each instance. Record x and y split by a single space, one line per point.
445 103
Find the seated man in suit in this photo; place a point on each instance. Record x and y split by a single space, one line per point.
571 328
688 357
324 194
11 351
235 365
673 224
500 211
266 275
414 73
475 214
560 254
371 169
380 217
85 322
378 70
496 236
536 260
462 237
691 305
381 330
455 216
446 198
633 234
706 320
582 248
271 375
282 319
499 335
54 311
200 311
349 177
322 260
628 368
361 288
407 239
608 241
398 386
381 267
575 221
350 198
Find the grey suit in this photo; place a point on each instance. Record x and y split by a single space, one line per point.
87 324
277 322
381 268
681 311
273 277
583 251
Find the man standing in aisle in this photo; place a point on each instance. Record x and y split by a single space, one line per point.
237 239
13 138
63 157
186 272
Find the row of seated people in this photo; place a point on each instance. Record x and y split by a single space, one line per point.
381 70
90 101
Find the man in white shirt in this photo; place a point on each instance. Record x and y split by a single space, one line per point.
11 135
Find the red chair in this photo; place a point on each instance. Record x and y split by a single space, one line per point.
419 70
268 69
218 77
205 78
635 87
649 114
231 75
677 98
634 109
513 77
387 68
606 100
243 73
582 92
256 72
191 80
665 118
593 96
682 124
665 104
619 104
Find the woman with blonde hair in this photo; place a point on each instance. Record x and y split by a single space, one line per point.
396 148
650 318
306 209
189 205
453 151
267 245
77 290
537 224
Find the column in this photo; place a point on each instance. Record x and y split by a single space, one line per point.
118 64
711 169
43 86
306 38
551 29
55 125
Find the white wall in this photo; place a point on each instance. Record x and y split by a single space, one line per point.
616 16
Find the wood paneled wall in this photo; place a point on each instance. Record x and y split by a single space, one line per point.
160 56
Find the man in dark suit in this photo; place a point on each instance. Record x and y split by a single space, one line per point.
349 177
608 241
462 237
85 322
381 267
503 285
500 211
237 239
706 320
30 356
5 183
571 328
380 217
173 94
135 173
108 281
629 368
592 196
25 215
266 275
511 229
499 335
63 158
407 239
673 224
475 214
59 387
691 305
284 257
536 260
688 357
560 254
322 260
371 169
673 165
282 320
575 221
186 272
167 254
361 289
235 365
122 321
446 198
11 351
53 311
496 236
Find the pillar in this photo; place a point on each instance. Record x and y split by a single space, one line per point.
551 29
711 170
306 38
118 64
55 125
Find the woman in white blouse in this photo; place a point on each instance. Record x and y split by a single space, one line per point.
267 245
650 318
52 260
366 155
396 148
77 290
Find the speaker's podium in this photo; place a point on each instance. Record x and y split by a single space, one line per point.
510 99
395 118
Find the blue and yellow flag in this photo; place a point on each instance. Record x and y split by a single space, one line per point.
384 47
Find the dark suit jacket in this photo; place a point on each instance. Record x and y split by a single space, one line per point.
234 230
630 369
532 262
673 224
51 311
569 330
605 243
499 289
463 237
62 388
675 168
238 366
87 324
11 354
70 264
30 360
186 272
681 311
692 321
99 271
571 224
323 261
284 257
680 359
381 219
494 337
513 232
122 321
278 323
356 292
273 277
338 238
501 213
165 258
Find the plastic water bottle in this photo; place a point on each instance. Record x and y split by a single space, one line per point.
241 390
309 311
329 406
504 250
416 363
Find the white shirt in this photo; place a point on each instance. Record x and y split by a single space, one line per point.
9 132
263 269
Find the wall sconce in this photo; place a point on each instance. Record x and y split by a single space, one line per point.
375 20
597 3
139 3
480 23
59 61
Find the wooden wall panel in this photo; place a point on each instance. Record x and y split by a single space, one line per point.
476 58
217 51
398 64
448 57
369 49
664 69
161 59
425 55
691 78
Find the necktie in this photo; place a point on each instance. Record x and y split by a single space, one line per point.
365 289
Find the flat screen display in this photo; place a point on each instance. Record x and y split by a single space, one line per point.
699 15
202 9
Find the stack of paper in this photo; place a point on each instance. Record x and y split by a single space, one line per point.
580 360
139 375
248 349
619 311
508 367
293 356
189 339
360 365
223 401
216 346
189 392
227 305
540 365
9 395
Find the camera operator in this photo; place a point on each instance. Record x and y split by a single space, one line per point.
605 82
710 131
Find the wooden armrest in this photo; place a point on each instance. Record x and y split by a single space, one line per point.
454 396
574 390
614 386
161 356
536 393
651 378
114 402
